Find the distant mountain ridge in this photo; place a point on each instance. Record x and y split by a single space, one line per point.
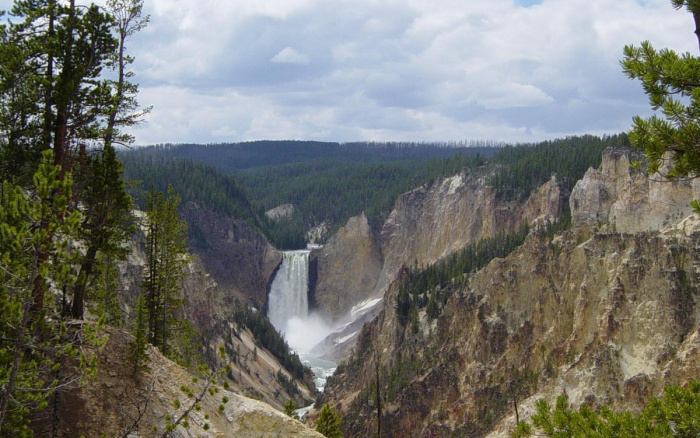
234 157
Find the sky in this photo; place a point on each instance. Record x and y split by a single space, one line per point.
393 70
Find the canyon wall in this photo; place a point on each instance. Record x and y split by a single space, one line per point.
426 225
347 268
214 309
619 196
234 253
603 317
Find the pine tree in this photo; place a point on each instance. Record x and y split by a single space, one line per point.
289 409
433 311
31 344
55 95
138 354
328 423
105 292
672 82
108 221
60 193
166 260
124 111
675 414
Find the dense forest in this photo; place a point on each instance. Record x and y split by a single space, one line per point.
329 182
234 157
192 181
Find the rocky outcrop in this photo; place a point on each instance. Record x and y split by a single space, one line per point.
236 255
546 203
347 268
283 211
113 403
431 222
620 196
317 234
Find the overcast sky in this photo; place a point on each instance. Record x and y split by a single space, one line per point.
415 70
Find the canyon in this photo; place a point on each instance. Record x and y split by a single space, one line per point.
604 312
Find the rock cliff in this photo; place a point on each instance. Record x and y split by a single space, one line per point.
622 198
426 225
604 317
283 211
236 255
347 268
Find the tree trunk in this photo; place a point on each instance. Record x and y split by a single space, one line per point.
78 307
696 18
379 399
48 95
65 91
112 122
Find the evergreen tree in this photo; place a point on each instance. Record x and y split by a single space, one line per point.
289 409
403 304
433 311
672 82
124 110
104 291
64 48
54 106
108 222
55 96
166 260
31 344
673 415
328 423
137 353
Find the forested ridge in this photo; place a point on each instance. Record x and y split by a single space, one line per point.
234 157
338 181
192 181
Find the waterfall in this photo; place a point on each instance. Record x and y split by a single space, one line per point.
288 311
288 297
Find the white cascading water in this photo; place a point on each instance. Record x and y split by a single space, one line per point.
289 290
288 311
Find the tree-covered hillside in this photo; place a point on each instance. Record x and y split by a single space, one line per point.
192 181
520 170
328 182
234 157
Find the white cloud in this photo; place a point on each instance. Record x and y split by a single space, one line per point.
512 95
290 55
394 69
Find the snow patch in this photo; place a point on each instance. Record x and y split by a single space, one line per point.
363 307
344 338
